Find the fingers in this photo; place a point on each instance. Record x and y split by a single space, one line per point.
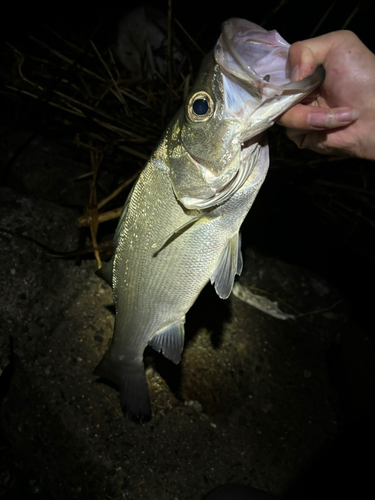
305 56
320 122
313 118
332 118
318 141
297 136
301 60
296 118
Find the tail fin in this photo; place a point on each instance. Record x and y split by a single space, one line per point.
131 380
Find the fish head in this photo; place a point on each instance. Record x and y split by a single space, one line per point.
242 87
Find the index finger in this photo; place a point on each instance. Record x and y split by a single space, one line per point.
314 118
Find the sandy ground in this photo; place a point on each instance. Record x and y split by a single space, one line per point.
253 400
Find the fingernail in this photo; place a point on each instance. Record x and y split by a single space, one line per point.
347 115
331 119
296 74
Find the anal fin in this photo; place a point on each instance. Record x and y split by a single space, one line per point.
229 264
170 340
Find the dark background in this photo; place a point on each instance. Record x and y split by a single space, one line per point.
303 234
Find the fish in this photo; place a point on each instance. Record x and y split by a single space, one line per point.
179 228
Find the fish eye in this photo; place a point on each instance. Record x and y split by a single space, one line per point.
200 107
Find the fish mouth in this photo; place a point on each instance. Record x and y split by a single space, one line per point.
248 158
258 59
256 88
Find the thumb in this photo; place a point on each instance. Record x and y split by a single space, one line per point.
301 61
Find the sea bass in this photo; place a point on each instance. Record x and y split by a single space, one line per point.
180 225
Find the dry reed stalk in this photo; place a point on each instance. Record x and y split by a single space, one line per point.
353 13
92 210
84 220
189 37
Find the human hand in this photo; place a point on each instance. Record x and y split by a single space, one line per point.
339 117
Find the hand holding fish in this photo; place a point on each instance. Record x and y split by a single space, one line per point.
339 118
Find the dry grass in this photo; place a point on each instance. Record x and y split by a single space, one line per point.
87 88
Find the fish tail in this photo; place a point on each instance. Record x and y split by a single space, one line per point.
131 380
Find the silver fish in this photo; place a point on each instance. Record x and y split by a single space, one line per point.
180 225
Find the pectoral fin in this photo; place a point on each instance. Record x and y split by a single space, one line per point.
230 263
170 340
174 234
